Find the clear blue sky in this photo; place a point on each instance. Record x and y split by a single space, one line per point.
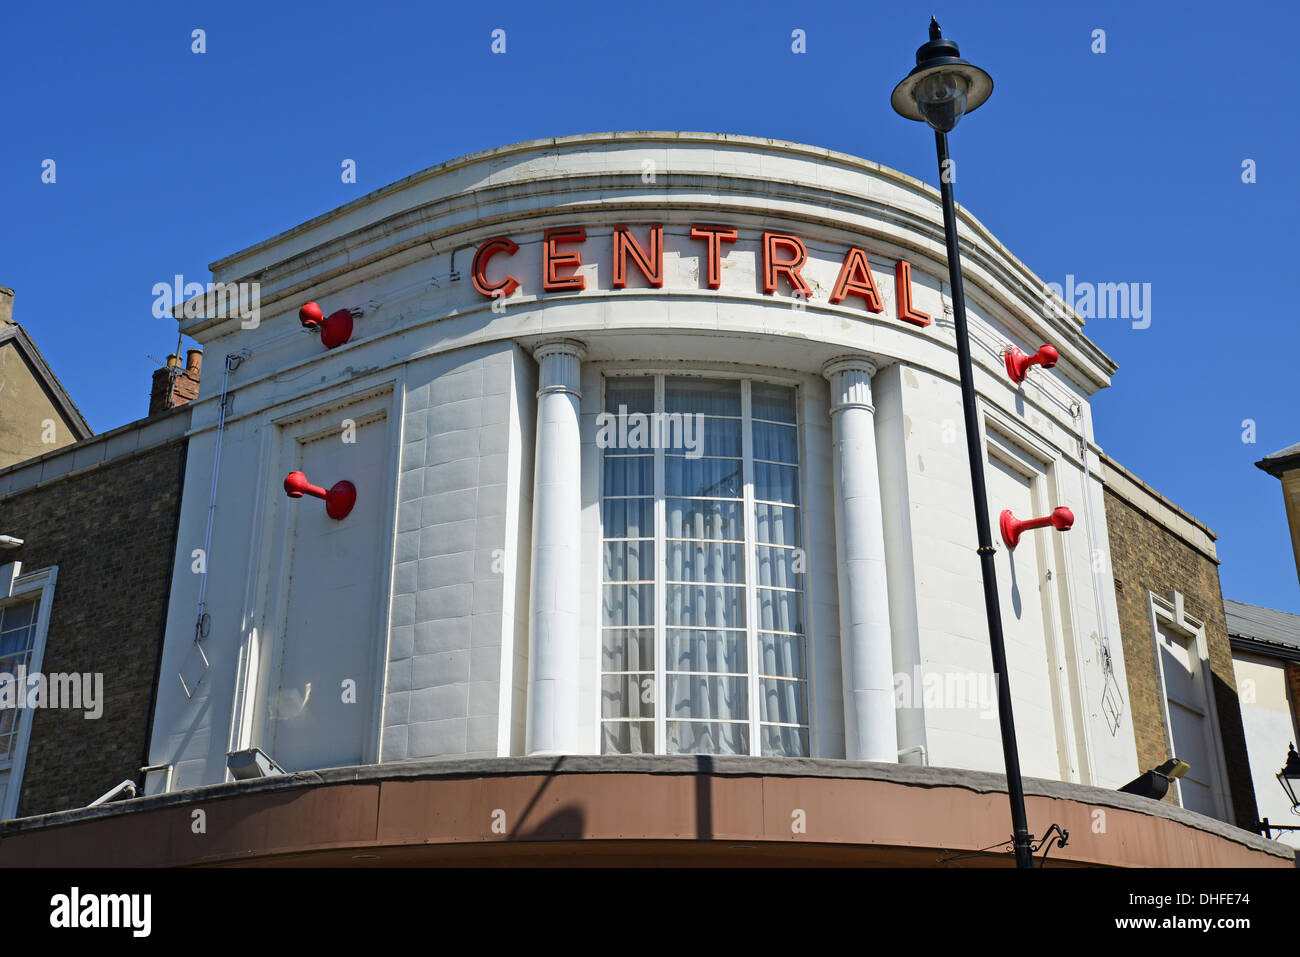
1115 167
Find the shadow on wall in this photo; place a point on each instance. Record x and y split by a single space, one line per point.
568 822
704 797
565 823
1016 604
1241 796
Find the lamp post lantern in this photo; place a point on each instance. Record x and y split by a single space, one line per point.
1289 776
939 92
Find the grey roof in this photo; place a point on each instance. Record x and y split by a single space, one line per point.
1283 460
1262 624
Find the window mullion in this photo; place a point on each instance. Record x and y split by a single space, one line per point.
660 587
751 565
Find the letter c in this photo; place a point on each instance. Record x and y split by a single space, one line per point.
486 252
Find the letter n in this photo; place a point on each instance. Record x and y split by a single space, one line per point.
651 266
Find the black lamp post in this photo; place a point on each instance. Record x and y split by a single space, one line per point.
938 92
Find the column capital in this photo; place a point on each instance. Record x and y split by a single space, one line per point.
850 379
560 366
566 347
854 363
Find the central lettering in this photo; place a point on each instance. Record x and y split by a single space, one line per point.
783 258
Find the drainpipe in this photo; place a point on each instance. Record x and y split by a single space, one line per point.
918 749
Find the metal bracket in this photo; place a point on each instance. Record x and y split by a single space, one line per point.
189 691
1063 838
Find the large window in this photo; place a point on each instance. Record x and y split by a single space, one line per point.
702 626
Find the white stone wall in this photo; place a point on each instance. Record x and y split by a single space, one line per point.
1266 716
451 643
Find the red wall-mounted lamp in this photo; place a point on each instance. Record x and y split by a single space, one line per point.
1018 363
338 500
1061 519
335 329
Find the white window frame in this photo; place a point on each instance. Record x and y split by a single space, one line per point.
17 588
1171 614
659 374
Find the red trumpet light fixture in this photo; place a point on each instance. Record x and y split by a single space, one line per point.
311 315
338 500
1018 363
335 329
1061 519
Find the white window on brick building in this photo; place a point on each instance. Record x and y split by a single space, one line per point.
24 617
702 597
1187 700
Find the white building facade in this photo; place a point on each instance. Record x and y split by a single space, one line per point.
658 448
1265 659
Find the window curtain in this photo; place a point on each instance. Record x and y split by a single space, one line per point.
707 586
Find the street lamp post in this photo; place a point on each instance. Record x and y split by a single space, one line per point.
938 92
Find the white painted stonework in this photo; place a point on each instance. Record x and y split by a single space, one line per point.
1270 730
462 600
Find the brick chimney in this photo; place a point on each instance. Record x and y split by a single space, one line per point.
6 305
176 385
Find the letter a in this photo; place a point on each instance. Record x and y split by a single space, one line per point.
855 280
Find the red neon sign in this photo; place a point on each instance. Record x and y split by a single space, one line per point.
715 236
552 260
783 257
855 280
651 265
501 244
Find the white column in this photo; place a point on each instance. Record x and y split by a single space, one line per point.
870 732
553 600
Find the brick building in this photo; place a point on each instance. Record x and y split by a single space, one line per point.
1181 683
90 532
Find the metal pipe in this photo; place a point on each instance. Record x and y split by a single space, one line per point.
925 760
233 361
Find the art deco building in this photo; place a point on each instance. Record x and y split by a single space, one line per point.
658 545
